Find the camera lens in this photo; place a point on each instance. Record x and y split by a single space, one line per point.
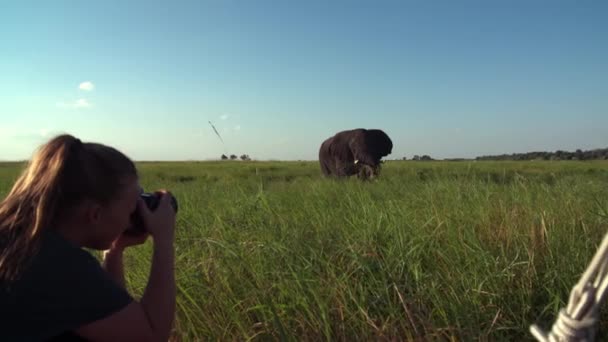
152 200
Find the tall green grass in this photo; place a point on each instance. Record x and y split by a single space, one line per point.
431 251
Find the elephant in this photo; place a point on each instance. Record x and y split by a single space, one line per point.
354 152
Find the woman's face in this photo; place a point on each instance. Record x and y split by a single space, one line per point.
115 217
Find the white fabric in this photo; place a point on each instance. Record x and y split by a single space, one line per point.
578 321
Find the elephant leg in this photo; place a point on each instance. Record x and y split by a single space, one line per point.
325 168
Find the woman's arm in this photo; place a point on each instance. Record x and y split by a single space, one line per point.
151 318
113 264
113 257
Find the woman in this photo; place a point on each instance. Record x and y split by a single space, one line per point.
74 195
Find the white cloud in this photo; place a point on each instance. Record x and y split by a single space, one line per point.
7 130
86 86
31 134
44 132
224 117
237 128
80 103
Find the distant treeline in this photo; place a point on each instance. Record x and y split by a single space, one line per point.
557 155
234 157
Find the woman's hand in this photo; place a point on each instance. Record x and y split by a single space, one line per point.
128 240
160 223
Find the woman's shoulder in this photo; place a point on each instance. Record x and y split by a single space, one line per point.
54 247
56 266
62 288
61 263
53 255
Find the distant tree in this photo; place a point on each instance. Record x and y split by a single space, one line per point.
426 157
224 157
416 157
595 154
245 157
233 157
404 158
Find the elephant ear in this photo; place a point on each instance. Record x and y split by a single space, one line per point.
379 144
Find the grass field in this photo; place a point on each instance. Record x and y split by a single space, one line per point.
431 251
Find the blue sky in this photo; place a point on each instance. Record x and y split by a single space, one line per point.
444 78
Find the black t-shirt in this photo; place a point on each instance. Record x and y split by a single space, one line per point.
63 288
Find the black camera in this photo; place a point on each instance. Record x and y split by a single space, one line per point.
152 200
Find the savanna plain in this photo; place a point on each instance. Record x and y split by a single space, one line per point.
432 250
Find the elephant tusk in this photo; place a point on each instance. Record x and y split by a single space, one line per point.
356 161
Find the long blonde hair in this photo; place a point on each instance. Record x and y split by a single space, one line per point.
61 173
